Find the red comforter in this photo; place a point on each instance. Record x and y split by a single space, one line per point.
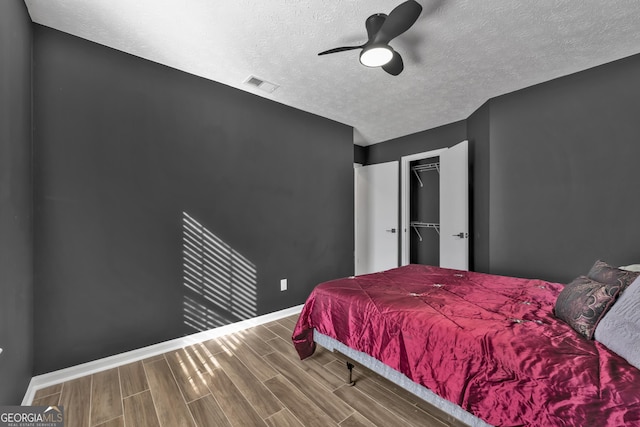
488 343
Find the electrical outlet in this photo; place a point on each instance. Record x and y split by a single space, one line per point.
283 285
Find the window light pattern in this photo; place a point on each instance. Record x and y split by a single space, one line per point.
219 283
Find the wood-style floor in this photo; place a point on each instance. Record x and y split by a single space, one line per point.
250 378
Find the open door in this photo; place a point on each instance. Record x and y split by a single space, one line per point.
376 209
454 207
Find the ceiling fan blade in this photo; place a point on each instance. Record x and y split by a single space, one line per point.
399 20
395 66
373 24
339 49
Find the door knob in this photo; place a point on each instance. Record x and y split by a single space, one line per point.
461 235
391 230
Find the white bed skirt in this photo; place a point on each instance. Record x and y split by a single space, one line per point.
399 379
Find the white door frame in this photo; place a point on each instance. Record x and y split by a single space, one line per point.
405 197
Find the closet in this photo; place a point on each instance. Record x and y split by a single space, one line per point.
424 211
435 207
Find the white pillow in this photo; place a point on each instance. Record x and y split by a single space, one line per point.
632 267
619 329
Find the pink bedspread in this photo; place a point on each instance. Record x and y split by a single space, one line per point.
490 344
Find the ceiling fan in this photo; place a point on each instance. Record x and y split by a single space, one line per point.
381 29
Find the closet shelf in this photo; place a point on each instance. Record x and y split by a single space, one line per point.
424 168
417 224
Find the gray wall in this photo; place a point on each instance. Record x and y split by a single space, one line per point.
359 154
16 231
123 147
564 174
432 139
479 139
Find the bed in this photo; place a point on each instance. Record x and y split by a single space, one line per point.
488 349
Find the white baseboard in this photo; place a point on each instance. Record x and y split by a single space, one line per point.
73 372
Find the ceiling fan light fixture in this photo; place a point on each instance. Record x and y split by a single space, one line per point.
376 55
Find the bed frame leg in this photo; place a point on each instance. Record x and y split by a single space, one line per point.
350 381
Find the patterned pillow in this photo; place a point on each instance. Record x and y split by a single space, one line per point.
604 273
583 302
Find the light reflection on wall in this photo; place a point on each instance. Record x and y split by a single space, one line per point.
219 283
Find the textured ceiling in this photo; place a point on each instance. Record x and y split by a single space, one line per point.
459 53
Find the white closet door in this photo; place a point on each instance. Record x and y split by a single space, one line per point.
454 207
376 237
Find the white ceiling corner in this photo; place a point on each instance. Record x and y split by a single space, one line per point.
459 53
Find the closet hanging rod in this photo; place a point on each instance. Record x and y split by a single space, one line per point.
427 167
424 168
417 224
